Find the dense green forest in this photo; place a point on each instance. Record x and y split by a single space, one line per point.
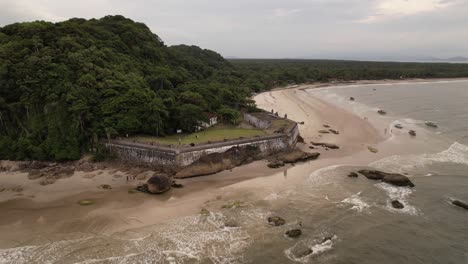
65 85
264 74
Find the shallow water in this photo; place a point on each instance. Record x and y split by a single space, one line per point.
343 220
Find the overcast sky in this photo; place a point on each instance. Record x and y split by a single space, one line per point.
357 29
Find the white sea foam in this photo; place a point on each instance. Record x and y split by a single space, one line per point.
318 247
402 195
356 201
456 153
188 239
321 176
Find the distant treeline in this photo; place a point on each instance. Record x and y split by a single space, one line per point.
64 86
264 74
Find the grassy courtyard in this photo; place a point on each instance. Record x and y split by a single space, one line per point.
214 134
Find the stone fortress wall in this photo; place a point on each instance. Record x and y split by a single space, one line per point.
180 156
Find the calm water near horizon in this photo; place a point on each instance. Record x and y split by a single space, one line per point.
342 221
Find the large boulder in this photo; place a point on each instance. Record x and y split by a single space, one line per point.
159 183
390 178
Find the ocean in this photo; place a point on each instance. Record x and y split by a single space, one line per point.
343 220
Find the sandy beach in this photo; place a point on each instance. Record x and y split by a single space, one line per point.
31 211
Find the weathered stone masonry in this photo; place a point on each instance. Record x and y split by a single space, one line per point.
158 156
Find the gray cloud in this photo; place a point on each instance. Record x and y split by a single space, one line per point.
360 29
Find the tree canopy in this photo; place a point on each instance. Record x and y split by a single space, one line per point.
62 85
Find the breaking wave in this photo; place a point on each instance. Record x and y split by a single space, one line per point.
188 239
357 203
456 153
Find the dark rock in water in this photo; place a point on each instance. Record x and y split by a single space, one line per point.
311 147
231 223
327 126
303 253
324 131
276 221
159 184
275 164
294 233
325 239
397 180
397 205
382 112
460 204
351 98
301 123
412 133
353 175
431 124
334 131
399 126
391 178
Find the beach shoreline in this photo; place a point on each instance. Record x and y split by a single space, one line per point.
39 210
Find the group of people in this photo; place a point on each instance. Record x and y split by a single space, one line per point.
131 178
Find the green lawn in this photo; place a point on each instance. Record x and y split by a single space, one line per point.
211 134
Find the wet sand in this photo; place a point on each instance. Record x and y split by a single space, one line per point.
42 211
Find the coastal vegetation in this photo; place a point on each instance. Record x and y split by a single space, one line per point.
64 86
264 74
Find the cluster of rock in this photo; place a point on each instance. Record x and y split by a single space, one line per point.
300 252
217 162
325 145
396 180
292 157
390 178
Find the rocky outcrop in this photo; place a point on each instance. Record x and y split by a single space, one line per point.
297 156
159 183
397 205
276 221
460 204
391 178
217 162
294 233
325 145
276 164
